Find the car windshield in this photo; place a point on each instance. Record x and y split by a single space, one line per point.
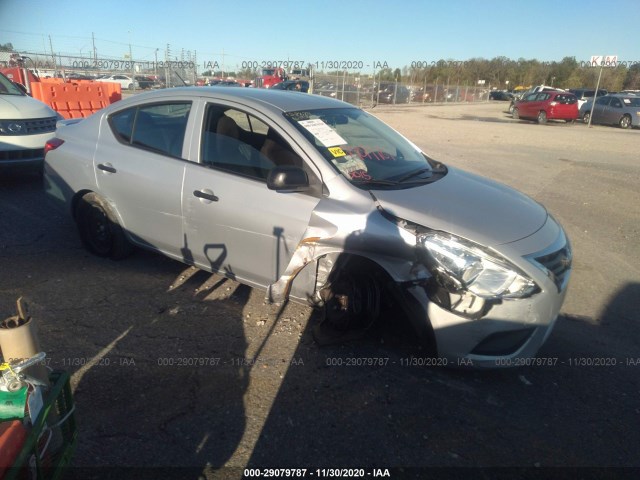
8 88
365 150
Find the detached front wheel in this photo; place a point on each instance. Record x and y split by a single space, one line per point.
99 229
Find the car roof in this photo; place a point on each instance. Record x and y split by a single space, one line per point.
255 97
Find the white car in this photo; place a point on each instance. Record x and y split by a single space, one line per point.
127 83
26 124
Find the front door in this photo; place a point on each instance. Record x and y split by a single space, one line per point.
232 222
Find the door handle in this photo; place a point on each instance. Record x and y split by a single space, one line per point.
205 195
106 167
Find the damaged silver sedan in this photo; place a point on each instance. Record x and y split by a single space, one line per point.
313 200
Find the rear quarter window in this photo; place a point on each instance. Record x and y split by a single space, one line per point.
566 99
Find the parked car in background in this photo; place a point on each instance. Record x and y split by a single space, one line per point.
145 82
126 82
393 93
616 109
311 199
296 85
550 105
585 94
26 124
536 89
500 95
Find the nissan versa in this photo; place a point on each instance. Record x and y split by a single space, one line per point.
313 200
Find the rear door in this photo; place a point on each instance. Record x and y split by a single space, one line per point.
566 106
598 114
139 170
613 112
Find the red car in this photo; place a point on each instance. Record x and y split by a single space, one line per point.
543 106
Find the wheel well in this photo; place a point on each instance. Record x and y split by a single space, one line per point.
395 299
74 201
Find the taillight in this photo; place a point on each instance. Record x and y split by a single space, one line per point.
52 145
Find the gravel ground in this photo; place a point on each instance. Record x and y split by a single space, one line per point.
174 367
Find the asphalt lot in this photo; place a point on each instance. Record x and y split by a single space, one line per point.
176 367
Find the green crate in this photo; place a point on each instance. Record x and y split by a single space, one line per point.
36 457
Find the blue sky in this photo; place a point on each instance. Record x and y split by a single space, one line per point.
397 32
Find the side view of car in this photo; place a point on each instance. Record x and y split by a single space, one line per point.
521 94
126 82
315 201
614 109
543 106
500 95
392 93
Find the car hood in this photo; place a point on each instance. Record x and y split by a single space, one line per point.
468 206
14 107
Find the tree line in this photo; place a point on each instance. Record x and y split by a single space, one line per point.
567 73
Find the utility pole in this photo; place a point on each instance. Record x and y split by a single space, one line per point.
95 55
55 68
133 70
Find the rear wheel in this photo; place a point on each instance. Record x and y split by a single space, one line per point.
515 114
542 117
99 229
586 117
625 121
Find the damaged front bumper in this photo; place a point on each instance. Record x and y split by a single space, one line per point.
503 332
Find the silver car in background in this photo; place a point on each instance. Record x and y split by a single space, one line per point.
313 200
613 109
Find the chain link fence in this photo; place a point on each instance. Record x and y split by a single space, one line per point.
358 88
366 90
157 73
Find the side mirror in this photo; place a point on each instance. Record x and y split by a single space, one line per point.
287 178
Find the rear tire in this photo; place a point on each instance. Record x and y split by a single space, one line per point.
542 117
586 117
625 121
99 229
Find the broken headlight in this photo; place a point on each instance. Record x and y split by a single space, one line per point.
460 265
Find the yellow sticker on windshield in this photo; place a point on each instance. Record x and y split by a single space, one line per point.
337 152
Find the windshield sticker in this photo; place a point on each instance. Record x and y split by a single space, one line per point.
360 175
323 132
348 164
337 152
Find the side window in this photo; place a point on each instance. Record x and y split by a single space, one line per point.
530 98
602 101
122 124
615 102
542 96
566 99
157 127
240 143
